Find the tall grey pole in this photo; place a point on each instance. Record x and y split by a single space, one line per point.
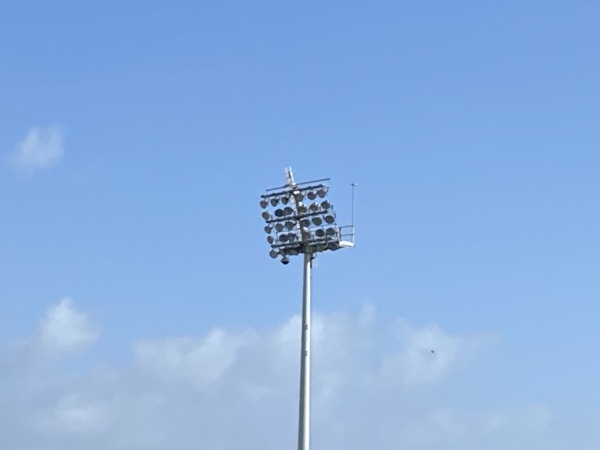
304 410
297 228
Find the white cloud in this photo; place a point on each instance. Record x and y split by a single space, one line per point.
72 415
233 390
41 148
427 356
200 362
62 330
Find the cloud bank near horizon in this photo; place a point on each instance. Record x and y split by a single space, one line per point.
229 390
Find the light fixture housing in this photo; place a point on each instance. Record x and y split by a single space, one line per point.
302 227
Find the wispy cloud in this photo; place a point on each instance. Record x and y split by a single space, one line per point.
61 332
65 330
41 148
224 389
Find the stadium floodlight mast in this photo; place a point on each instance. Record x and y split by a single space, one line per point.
300 220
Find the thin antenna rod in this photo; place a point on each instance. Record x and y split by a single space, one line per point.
289 177
352 217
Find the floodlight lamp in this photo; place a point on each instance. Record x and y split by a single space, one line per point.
264 203
299 196
279 213
288 211
322 193
285 199
270 239
283 237
329 219
321 247
266 215
273 254
311 195
314 207
290 224
305 223
317 220
305 234
320 233
291 237
325 205
268 229
331 231
302 209
274 201
279 227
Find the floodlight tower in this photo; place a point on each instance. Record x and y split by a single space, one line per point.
300 220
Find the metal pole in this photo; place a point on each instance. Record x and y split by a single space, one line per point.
304 410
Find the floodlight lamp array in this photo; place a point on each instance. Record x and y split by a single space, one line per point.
299 219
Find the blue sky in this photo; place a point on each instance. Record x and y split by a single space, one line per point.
137 137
